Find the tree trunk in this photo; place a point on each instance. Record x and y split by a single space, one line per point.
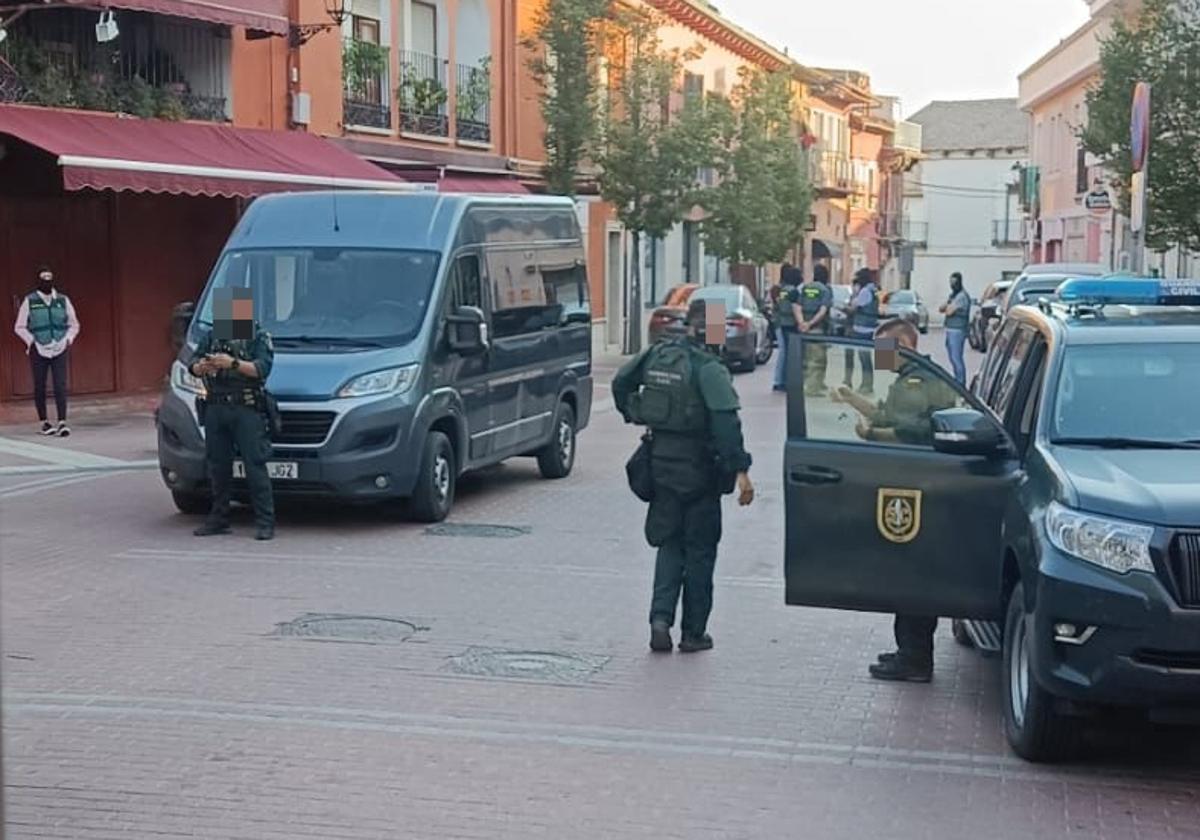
634 324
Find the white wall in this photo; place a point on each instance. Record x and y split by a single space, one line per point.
961 198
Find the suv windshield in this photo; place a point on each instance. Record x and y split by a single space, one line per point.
346 296
902 296
1135 391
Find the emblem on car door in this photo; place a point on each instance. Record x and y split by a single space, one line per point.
898 514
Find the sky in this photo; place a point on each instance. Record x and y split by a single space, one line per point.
919 50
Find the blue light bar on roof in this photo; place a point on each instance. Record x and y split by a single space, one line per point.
1130 291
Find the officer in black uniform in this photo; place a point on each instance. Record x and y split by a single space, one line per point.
904 416
787 308
234 359
684 394
815 299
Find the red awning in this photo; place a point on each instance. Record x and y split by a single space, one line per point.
103 152
261 15
455 182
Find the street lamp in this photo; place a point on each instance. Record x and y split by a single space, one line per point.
300 33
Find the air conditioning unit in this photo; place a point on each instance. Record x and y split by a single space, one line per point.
301 108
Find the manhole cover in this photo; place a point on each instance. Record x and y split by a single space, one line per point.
528 664
358 628
463 529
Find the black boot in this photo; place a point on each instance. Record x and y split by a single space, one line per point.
213 529
695 644
264 533
660 637
898 669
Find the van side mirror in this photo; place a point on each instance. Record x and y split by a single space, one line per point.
467 331
181 318
965 431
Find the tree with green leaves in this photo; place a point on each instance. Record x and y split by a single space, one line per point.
565 49
1161 47
649 151
757 211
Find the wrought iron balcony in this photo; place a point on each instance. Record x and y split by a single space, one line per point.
908 136
473 108
422 94
366 85
830 171
1008 232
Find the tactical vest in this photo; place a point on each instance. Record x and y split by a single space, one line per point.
960 319
812 298
669 400
225 381
787 318
867 317
47 322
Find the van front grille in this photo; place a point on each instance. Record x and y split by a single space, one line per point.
1185 568
304 427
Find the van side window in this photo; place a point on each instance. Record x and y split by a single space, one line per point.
566 294
535 290
995 356
466 287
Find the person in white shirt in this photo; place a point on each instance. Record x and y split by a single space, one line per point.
47 323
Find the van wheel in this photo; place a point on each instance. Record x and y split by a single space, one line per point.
556 458
1036 731
192 504
436 482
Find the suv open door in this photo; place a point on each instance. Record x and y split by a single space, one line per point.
894 501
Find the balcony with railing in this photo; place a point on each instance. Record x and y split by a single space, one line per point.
914 233
366 85
422 95
830 171
473 102
1008 232
157 66
907 136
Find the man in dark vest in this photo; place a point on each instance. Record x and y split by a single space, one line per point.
815 300
47 323
234 358
790 279
864 318
685 396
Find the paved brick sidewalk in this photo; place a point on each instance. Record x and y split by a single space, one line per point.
155 684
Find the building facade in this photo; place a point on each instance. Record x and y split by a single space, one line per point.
961 202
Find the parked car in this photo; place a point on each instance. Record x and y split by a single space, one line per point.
838 319
1042 280
426 336
746 330
986 311
906 304
669 318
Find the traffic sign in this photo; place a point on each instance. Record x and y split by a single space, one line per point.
1098 201
1139 126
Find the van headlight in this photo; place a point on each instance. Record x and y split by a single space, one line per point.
393 380
1110 543
184 380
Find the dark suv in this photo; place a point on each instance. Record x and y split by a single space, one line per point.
1055 508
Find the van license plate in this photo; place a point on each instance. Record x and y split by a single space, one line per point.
275 469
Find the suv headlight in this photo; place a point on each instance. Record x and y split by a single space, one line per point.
183 379
393 380
1110 543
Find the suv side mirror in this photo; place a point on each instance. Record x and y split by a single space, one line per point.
965 431
467 331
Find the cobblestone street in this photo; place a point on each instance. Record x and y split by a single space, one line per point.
366 677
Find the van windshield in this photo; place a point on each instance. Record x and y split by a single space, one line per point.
347 296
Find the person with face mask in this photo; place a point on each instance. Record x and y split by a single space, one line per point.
957 310
47 323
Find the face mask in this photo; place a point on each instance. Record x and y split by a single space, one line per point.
45 286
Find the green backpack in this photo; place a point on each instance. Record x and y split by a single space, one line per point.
669 400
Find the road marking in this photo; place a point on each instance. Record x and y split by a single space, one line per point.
42 469
54 454
661 742
31 487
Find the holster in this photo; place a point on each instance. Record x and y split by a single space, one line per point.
201 409
269 407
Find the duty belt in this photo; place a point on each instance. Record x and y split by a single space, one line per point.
248 397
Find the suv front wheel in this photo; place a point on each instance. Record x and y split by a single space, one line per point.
1035 729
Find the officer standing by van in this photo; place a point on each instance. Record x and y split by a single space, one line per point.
685 395
904 416
815 298
234 359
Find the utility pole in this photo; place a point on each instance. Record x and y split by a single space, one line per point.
1139 125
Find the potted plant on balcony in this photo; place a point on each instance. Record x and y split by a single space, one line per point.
421 99
474 94
363 65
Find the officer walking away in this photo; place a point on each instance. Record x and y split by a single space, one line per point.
957 310
864 318
235 359
815 300
47 323
790 279
905 416
684 394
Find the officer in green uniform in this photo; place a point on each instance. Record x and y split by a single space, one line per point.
814 300
684 394
905 417
234 359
